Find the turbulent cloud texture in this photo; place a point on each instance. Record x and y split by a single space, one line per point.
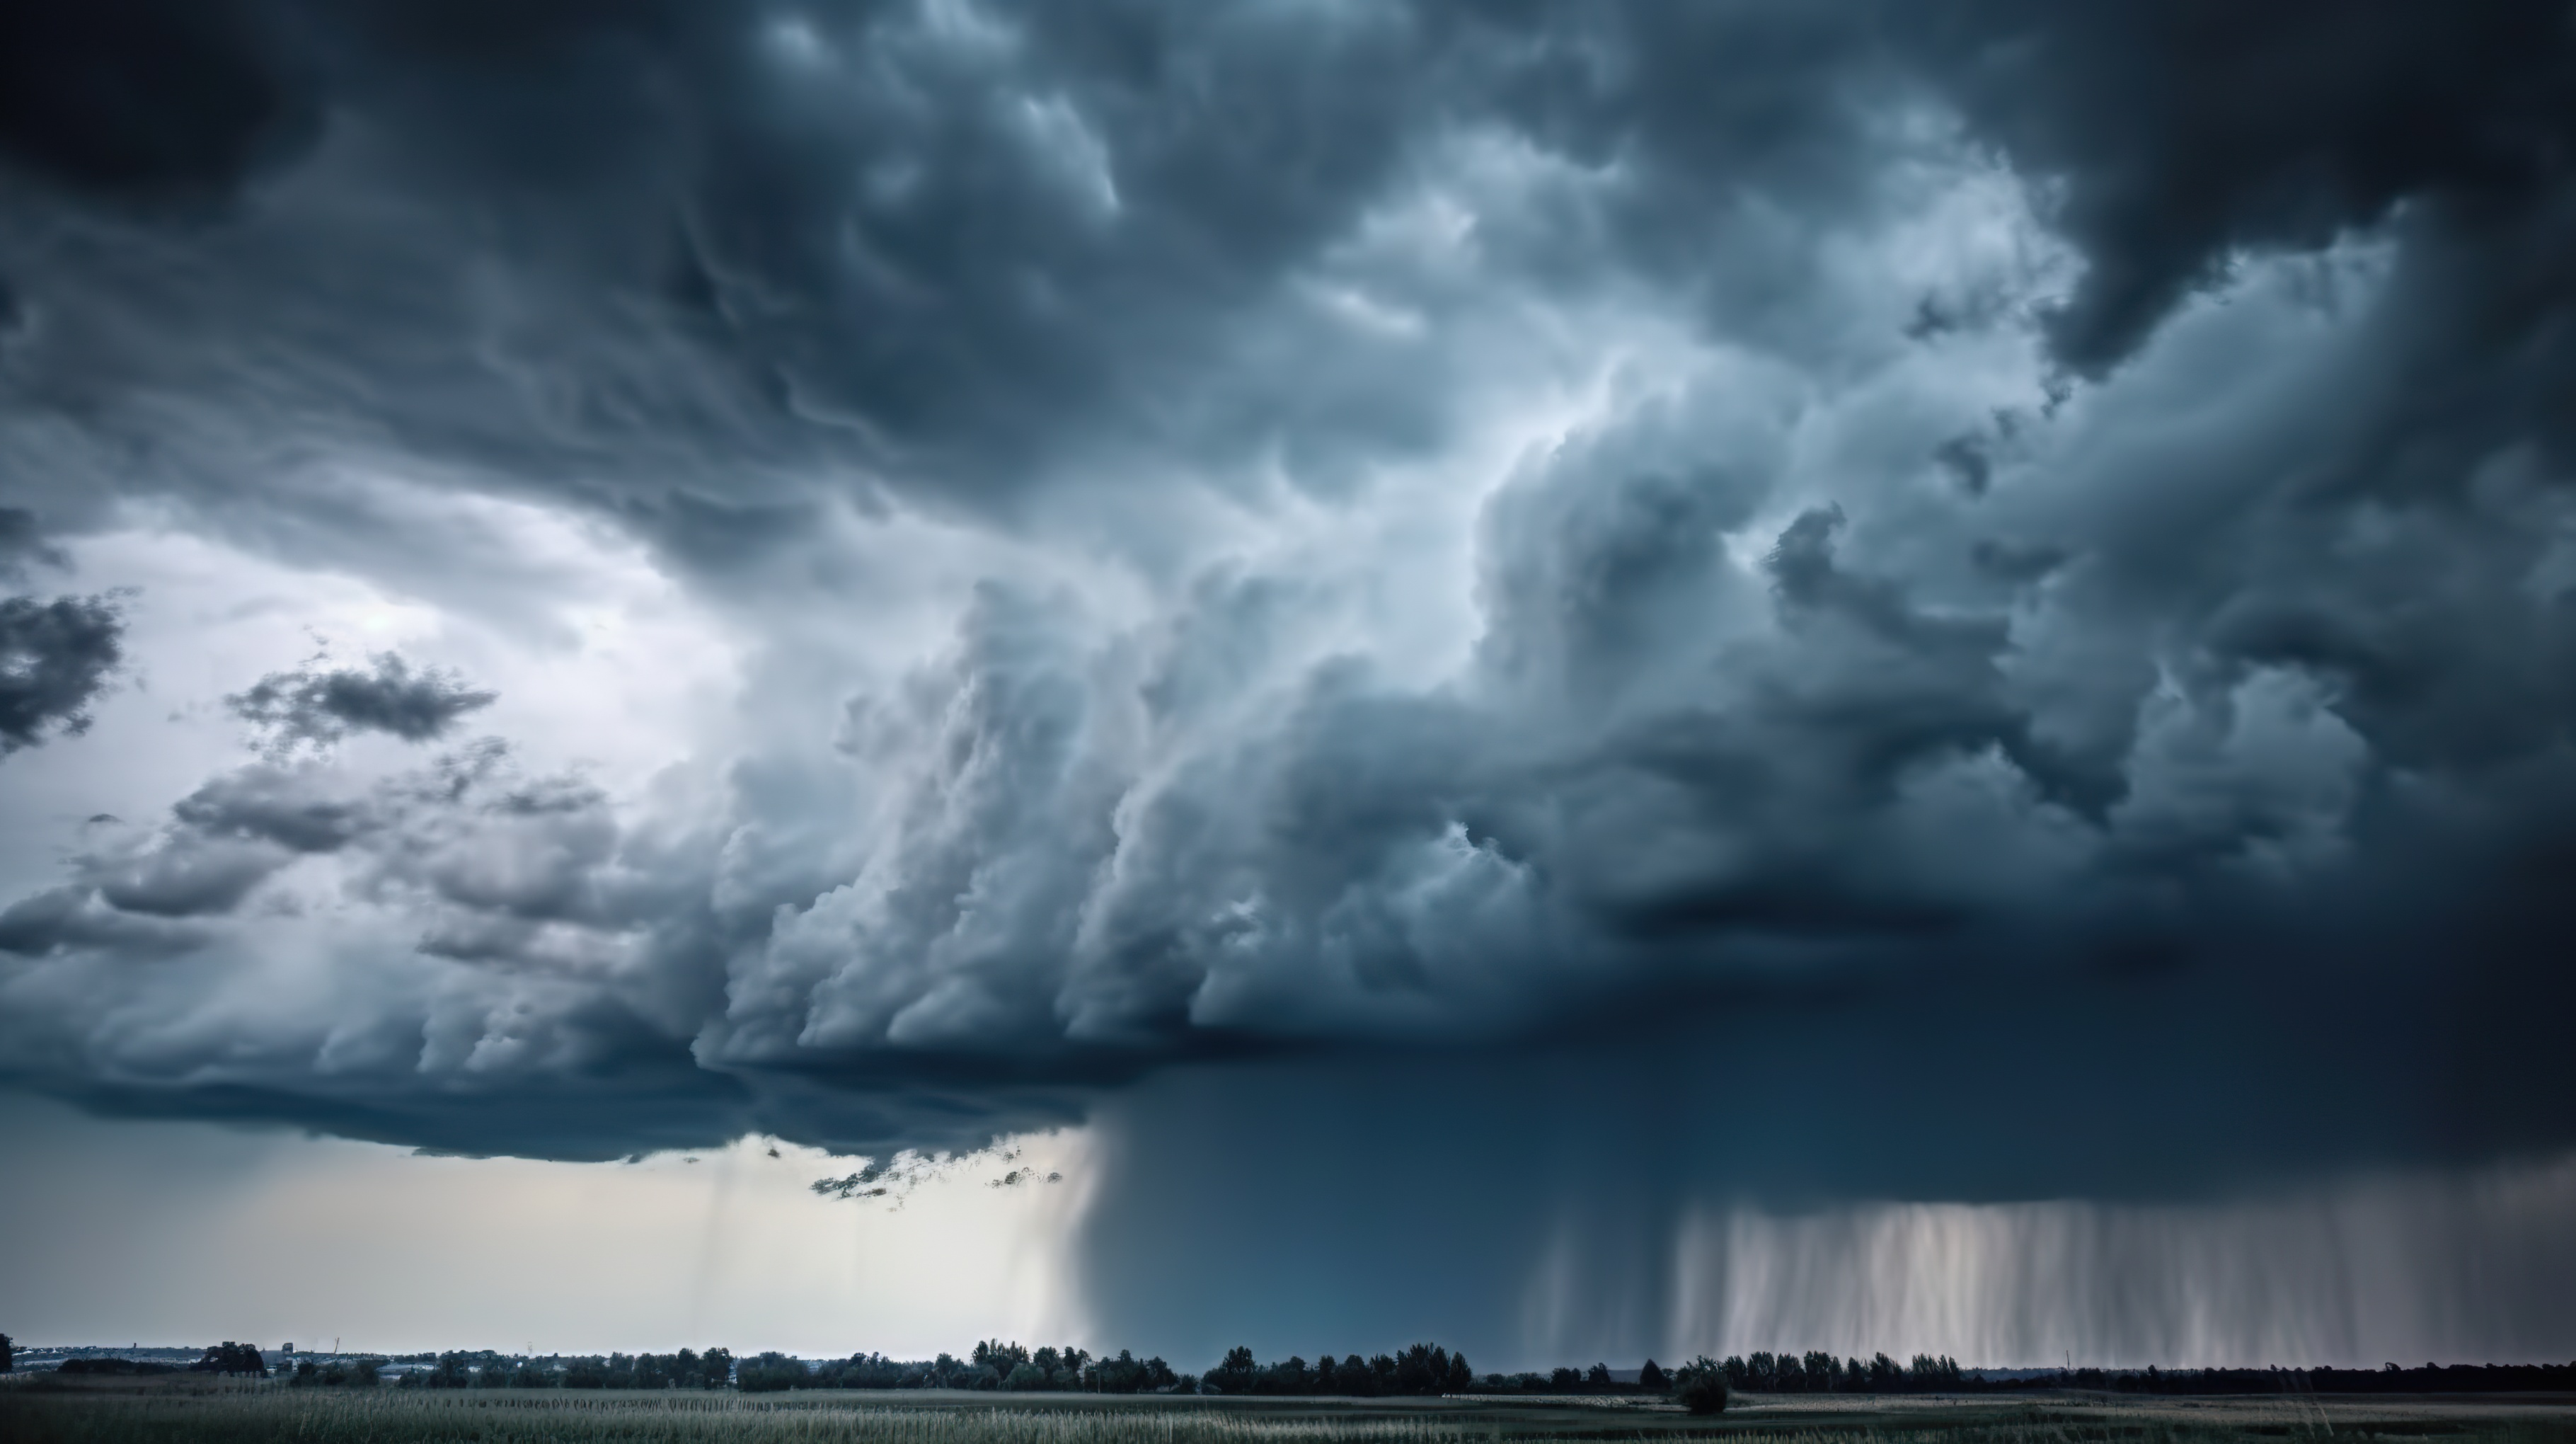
55 657
317 708
1985 561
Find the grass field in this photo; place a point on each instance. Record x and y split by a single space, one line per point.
200 1410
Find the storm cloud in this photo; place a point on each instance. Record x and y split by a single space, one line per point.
55 657
1914 603
314 707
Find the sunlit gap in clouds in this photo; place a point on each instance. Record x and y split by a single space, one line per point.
2384 1268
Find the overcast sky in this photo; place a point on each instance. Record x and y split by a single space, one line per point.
1596 679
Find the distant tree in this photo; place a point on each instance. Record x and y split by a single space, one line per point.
8 1356
1652 1377
1025 1377
1598 1376
454 1371
772 1372
1072 1368
1234 1374
1930 1372
1565 1380
1700 1385
1356 1377
231 1358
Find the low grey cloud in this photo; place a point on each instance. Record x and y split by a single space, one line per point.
21 543
1992 562
314 707
55 658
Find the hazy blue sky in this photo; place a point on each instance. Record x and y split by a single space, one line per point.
1594 679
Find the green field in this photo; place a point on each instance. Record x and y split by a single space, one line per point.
198 1410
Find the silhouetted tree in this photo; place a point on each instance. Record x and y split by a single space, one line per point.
353 1373
771 1372
1072 1367
1652 1377
1928 1372
8 1356
1234 1374
999 1357
1700 1385
231 1358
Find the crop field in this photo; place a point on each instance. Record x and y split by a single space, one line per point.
194 1410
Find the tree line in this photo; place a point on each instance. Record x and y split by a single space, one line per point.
1419 1369
992 1364
483 1369
1817 1372
2386 1379
1430 1369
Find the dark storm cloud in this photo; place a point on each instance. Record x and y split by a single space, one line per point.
2183 135
310 706
55 658
744 236
2232 672
127 101
22 543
